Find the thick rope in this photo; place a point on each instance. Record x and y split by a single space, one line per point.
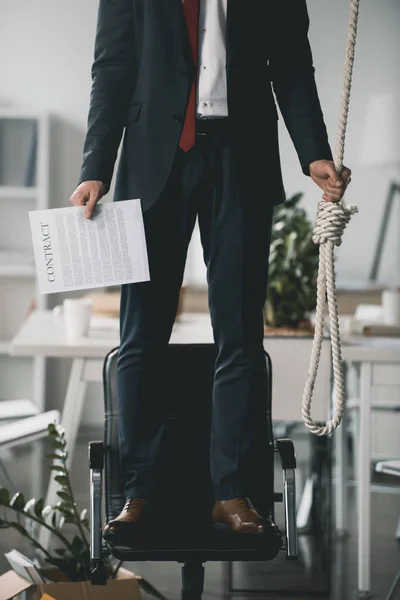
330 224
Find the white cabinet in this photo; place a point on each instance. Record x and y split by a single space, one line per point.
24 186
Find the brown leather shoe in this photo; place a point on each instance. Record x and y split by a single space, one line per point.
241 516
130 515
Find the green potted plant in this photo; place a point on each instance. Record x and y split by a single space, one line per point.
68 561
293 271
70 556
288 314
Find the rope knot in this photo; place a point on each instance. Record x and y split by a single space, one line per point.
331 222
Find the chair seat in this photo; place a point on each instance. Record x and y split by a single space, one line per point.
210 544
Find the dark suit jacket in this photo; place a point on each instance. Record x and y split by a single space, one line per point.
142 74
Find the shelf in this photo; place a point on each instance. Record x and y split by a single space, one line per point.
17 263
4 346
21 113
351 285
25 133
17 270
18 192
17 409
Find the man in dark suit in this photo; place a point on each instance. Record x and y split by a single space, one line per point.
189 84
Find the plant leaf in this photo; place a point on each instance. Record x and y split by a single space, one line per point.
64 496
60 551
29 505
39 508
51 428
62 480
77 547
60 430
58 445
83 515
57 455
69 518
17 501
61 522
65 507
4 497
46 511
58 468
54 520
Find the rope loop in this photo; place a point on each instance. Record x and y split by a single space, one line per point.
330 224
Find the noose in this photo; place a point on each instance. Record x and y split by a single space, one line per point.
330 224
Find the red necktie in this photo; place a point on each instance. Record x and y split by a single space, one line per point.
188 136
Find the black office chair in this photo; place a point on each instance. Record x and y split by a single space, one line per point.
184 470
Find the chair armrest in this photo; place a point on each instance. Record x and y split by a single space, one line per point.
96 465
286 451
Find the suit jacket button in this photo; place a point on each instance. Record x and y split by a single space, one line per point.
178 118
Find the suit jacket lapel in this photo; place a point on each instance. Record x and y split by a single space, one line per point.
180 30
172 28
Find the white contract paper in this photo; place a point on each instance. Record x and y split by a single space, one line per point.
74 253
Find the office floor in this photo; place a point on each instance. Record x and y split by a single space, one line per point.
283 579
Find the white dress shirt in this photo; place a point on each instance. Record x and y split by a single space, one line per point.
211 77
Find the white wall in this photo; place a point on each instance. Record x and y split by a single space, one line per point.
46 48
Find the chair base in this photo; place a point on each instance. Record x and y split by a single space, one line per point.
192 580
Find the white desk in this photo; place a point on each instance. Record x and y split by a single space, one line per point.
39 335
378 365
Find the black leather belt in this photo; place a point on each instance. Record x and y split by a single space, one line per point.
213 126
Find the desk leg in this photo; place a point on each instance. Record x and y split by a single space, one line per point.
364 482
71 418
341 460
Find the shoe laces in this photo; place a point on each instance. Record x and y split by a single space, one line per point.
132 502
245 502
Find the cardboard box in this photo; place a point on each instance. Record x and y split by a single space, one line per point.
127 585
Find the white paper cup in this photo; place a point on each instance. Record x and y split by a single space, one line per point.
74 316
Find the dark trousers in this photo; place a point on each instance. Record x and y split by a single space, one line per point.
235 220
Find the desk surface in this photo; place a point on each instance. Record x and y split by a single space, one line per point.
40 335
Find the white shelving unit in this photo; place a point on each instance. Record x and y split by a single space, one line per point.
24 186
11 192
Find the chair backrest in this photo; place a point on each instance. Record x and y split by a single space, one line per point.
183 468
